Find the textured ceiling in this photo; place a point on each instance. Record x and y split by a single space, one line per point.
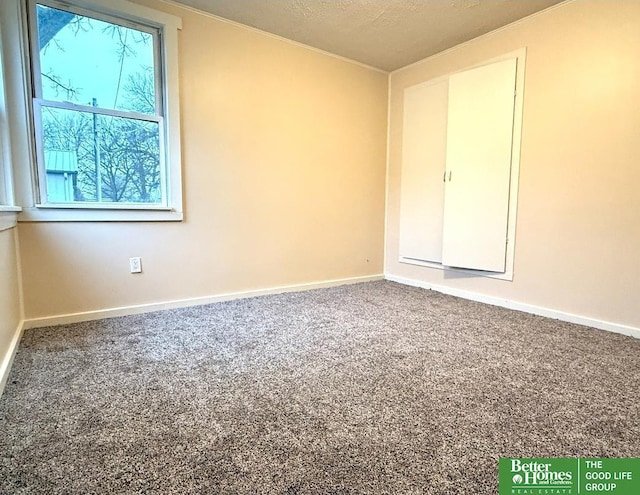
387 34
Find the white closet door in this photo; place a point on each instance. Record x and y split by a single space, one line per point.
479 146
423 162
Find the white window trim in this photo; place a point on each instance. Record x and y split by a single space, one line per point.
8 217
19 101
8 210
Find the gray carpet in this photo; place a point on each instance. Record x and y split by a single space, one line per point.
371 388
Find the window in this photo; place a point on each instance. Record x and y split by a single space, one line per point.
7 209
100 93
97 108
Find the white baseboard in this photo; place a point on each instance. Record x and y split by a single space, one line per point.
7 359
182 303
519 306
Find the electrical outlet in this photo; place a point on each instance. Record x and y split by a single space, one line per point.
135 264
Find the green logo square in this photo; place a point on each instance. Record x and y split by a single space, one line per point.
567 476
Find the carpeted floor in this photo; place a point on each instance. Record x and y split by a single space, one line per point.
364 389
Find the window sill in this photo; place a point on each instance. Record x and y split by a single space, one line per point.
49 214
8 217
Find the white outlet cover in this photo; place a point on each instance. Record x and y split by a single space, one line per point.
135 264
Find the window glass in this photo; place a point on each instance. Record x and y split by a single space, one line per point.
93 62
99 124
82 150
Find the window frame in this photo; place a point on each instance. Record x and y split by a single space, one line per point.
39 102
8 209
27 168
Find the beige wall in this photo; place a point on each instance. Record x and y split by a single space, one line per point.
284 176
283 158
578 234
10 313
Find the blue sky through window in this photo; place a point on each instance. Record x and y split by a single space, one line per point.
89 58
90 156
